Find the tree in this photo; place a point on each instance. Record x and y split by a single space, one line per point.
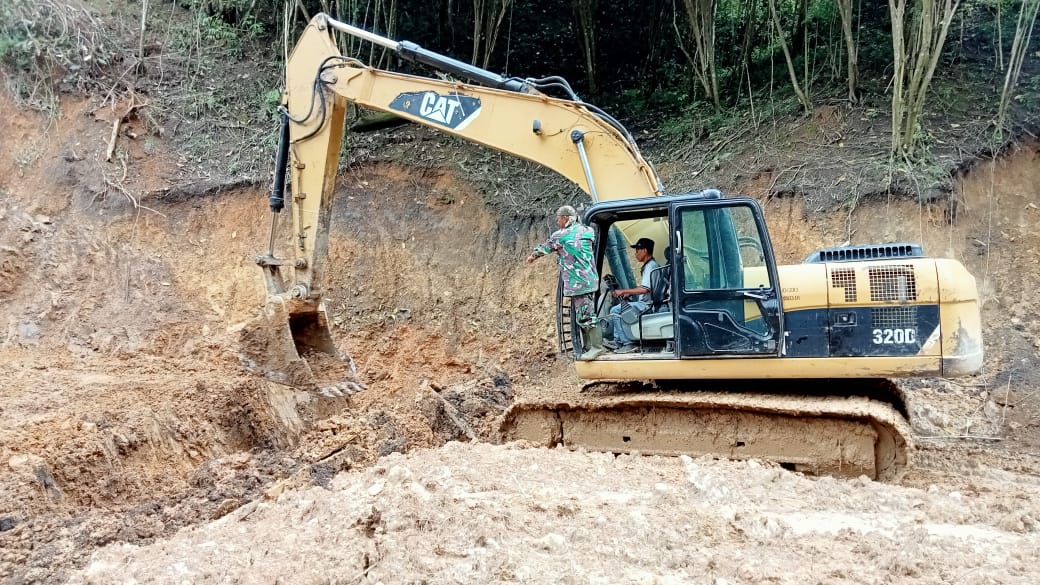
915 54
701 14
799 90
1023 32
384 22
487 23
851 50
585 14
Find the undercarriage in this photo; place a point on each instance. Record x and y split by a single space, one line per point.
842 428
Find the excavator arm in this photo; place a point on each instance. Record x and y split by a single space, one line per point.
555 133
575 139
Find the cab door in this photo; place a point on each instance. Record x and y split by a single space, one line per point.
726 294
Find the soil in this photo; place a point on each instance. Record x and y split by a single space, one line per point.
135 447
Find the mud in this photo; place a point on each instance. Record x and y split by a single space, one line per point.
553 516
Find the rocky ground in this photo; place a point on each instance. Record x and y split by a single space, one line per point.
522 515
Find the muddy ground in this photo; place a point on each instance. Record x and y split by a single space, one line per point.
135 448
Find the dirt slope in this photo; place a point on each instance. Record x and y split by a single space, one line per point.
125 416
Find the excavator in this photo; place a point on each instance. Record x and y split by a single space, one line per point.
738 357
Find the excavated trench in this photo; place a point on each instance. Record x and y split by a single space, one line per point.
125 411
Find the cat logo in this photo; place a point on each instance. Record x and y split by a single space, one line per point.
453 110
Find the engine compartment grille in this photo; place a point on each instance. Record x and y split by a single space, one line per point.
866 252
845 278
894 317
893 283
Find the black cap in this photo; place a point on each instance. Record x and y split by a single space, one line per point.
645 243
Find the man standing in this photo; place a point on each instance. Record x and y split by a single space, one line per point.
623 341
573 246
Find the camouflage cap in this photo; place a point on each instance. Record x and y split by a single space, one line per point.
566 211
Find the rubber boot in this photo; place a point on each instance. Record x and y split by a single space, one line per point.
593 342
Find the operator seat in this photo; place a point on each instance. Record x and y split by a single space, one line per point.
655 323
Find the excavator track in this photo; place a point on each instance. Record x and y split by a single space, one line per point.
844 428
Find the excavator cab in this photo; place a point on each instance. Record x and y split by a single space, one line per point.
716 292
865 311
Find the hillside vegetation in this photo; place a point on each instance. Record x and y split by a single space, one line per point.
705 82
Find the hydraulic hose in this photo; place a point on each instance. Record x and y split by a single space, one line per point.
281 161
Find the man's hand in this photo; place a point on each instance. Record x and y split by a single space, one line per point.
531 258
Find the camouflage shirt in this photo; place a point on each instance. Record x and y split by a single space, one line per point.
573 245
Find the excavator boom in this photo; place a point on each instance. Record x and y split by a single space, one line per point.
512 116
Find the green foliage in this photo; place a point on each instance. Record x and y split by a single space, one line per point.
921 175
640 62
696 122
209 102
210 50
272 98
640 107
15 49
679 129
45 43
631 102
1027 98
212 37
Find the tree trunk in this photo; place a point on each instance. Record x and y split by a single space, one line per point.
803 27
851 50
390 13
585 14
918 53
702 27
802 94
897 9
375 29
743 62
493 28
1019 47
1000 35
478 28
487 23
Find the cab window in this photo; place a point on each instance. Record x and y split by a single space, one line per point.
722 249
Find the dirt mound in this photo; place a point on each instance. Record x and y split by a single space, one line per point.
539 516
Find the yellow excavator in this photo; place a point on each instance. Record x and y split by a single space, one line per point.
737 357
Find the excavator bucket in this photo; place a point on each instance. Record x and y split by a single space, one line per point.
290 342
292 345
310 333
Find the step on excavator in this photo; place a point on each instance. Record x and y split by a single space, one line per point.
736 356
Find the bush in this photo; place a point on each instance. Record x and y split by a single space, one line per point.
44 44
